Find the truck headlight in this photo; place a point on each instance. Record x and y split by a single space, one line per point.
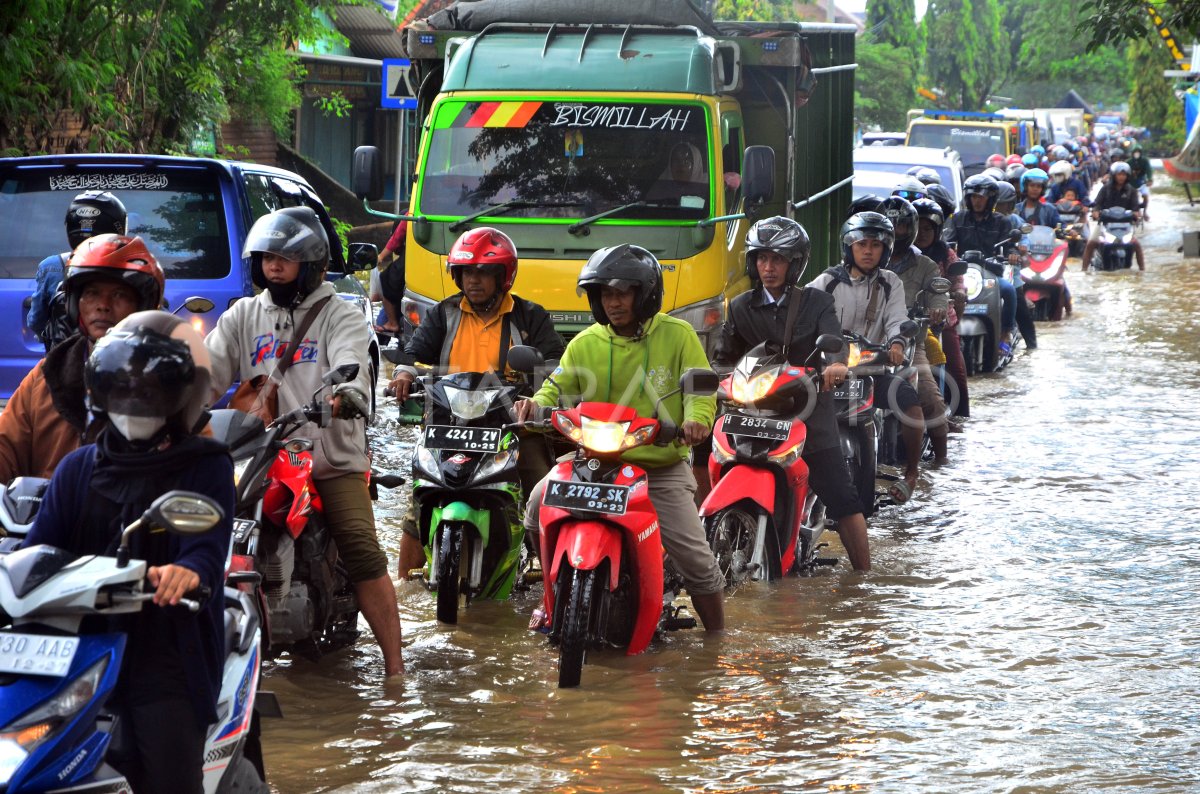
414 306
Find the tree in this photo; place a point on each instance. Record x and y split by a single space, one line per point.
993 65
893 22
1118 21
1152 102
884 85
146 75
750 10
952 50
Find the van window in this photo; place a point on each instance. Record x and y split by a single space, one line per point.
179 214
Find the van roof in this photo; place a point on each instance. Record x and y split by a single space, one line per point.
912 155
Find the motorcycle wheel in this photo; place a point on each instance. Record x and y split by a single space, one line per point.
449 555
862 471
731 538
242 778
970 345
577 619
808 549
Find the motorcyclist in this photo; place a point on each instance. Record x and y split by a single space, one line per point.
1006 201
1142 176
1033 208
1118 191
289 253
109 277
978 227
917 272
150 377
471 331
869 300
930 218
777 254
90 213
632 355
925 175
995 161
1062 179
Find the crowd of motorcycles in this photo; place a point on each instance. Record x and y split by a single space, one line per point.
606 581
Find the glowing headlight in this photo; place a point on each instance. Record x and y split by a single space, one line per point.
858 356
603 436
786 457
239 470
751 389
493 464
973 280
470 404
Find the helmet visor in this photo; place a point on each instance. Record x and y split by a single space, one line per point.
858 235
144 375
910 195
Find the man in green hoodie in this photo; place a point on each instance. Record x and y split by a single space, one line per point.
631 356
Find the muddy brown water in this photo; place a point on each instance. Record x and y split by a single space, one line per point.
1030 624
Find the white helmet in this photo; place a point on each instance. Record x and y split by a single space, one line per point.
1061 171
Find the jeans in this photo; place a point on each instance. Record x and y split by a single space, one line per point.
1008 309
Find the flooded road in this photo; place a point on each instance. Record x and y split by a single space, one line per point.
1030 624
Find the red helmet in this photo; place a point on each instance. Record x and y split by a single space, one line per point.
1013 159
996 160
113 257
483 247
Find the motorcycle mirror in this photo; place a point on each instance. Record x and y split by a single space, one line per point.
1016 234
939 285
958 268
525 359
972 256
198 305
179 512
1026 228
830 343
908 329
699 381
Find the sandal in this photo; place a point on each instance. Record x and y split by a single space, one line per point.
900 491
1006 348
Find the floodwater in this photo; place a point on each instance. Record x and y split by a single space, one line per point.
1030 625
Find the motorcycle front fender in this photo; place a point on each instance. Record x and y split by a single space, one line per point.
462 512
741 482
971 326
586 544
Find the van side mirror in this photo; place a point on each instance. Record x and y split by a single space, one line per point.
758 174
367 173
363 256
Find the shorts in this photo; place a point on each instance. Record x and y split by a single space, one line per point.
895 393
351 519
829 479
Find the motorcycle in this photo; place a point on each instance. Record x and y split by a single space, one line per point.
1045 274
1115 251
600 548
306 597
981 327
57 730
761 519
19 503
1074 224
467 490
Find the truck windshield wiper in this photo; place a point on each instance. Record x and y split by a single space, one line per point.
583 223
505 206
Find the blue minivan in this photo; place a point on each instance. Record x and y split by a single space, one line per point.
193 214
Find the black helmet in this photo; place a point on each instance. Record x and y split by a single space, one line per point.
980 185
783 236
925 175
1005 193
94 212
901 213
930 210
865 203
868 226
942 195
624 267
294 233
152 365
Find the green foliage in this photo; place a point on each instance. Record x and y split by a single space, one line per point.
884 85
335 104
1118 21
751 10
893 22
142 75
991 66
952 51
1152 102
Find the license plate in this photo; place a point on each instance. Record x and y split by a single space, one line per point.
848 390
977 308
36 654
242 527
756 427
610 499
463 439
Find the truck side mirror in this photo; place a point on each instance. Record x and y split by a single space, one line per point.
367 173
758 174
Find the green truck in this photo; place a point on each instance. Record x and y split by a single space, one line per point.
577 134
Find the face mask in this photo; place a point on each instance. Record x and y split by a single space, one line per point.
137 428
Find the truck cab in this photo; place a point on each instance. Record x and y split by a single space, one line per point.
975 136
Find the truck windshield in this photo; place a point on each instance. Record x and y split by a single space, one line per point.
568 160
973 142
177 212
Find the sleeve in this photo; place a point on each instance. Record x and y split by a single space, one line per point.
397 239
566 375
16 428
205 553
224 347
894 311
949 232
346 339
52 525
695 407
40 303
425 344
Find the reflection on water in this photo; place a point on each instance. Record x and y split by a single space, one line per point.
1029 625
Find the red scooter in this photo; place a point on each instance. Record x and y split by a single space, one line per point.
1045 274
761 518
602 557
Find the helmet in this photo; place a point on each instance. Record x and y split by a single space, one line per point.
1031 160
942 195
1071 145
1120 167
867 226
783 236
293 233
1034 175
1014 172
930 210
151 365
1012 159
995 160
926 176
1059 153
995 173
980 185
1037 149
1116 154
867 203
94 212
1005 193
113 257
484 247
623 266
900 213
910 188
1061 171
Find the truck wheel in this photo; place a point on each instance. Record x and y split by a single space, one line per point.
577 619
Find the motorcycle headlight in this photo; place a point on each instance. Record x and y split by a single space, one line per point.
493 464
787 456
603 436
425 463
239 470
751 389
469 404
973 280
22 736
